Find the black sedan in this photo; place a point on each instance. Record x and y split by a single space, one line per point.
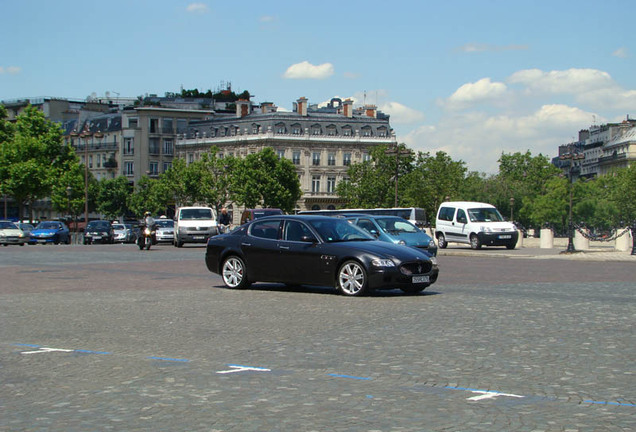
317 250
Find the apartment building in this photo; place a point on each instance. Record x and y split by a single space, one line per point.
320 142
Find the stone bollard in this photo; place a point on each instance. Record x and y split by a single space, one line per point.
580 242
519 244
547 239
624 242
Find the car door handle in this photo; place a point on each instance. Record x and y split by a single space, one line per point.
284 247
246 244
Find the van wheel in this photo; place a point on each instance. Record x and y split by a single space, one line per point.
474 242
441 241
510 246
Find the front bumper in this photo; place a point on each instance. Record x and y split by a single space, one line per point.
499 238
392 278
11 240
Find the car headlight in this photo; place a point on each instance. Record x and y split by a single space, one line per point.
383 263
485 229
432 244
434 261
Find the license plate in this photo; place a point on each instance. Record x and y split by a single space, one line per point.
97 237
505 236
198 237
420 279
42 241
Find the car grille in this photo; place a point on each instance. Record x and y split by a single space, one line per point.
418 267
196 229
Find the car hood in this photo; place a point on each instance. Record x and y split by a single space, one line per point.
497 226
411 239
43 231
10 232
384 249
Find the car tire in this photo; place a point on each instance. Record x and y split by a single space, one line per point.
441 241
234 273
510 246
474 242
351 279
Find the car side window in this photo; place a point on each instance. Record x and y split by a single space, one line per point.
461 216
446 213
267 229
366 225
295 231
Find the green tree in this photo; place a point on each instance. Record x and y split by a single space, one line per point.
33 159
552 206
149 195
182 183
112 197
216 176
622 194
433 180
372 183
264 179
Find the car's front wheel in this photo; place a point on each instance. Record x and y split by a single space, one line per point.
234 273
441 241
475 243
352 279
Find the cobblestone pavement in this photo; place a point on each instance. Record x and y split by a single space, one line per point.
108 338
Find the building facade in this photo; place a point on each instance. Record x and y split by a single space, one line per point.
320 142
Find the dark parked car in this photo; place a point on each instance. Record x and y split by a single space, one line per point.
253 214
50 232
99 231
317 250
394 229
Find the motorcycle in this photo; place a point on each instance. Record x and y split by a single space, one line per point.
223 229
146 238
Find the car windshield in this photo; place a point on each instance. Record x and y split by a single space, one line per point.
164 223
48 225
337 230
98 226
396 226
486 214
196 214
119 227
7 225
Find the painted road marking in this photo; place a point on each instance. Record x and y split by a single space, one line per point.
350 377
47 350
239 368
483 394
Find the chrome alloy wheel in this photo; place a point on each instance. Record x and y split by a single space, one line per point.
352 279
233 272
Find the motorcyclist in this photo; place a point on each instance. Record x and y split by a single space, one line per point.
148 220
224 222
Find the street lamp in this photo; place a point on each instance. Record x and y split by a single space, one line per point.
398 153
69 190
512 205
572 156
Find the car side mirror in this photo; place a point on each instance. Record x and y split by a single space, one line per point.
309 239
374 233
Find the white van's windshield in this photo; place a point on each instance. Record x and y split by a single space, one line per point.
196 214
486 214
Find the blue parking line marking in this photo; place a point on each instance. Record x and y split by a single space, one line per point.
609 403
81 351
27 345
169 359
350 377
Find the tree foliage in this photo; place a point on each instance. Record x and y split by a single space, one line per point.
112 197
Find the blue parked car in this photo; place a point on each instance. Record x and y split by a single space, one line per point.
394 229
50 232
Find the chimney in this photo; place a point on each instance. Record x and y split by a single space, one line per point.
267 107
371 111
348 108
242 108
301 106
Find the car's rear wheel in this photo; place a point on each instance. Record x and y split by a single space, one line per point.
352 279
474 242
234 273
441 241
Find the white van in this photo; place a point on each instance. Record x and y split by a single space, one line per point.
474 223
194 225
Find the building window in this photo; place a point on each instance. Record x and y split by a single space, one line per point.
366 157
346 131
129 168
167 166
154 126
129 146
99 161
331 185
315 158
168 147
346 159
366 131
315 184
296 129
316 130
331 159
190 158
331 130
182 126
255 128
296 158
280 128
90 161
133 123
167 126
153 168
153 146
280 153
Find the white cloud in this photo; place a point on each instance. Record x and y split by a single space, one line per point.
11 70
306 70
480 91
197 8
267 19
622 52
572 81
401 114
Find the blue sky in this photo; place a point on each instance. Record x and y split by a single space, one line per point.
471 78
